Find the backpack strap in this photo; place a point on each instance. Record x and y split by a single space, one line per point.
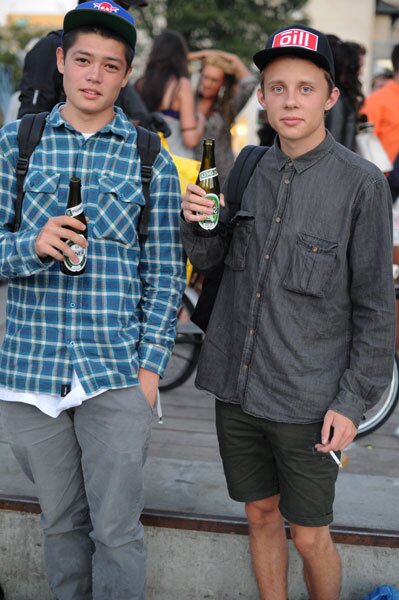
241 173
29 135
148 146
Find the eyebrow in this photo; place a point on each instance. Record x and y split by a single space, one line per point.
281 82
90 55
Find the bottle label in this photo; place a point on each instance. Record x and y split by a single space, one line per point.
75 211
81 253
210 221
208 174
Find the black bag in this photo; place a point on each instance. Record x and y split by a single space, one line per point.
29 135
239 177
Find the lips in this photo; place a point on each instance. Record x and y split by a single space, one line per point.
91 93
291 120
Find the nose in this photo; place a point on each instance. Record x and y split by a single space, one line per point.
94 73
291 99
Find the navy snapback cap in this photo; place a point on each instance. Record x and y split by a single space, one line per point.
104 14
297 40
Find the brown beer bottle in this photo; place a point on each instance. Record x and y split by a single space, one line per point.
208 180
75 209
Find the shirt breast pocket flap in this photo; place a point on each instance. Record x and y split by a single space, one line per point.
242 224
311 267
41 201
120 205
45 182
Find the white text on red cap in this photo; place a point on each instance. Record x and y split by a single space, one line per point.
296 37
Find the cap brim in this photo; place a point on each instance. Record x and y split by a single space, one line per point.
262 58
79 18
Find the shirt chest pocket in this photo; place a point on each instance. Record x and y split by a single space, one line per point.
41 198
242 223
119 207
311 267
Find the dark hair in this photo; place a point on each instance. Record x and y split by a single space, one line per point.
69 39
395 58
347 65
168 59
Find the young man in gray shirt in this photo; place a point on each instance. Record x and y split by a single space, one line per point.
300 342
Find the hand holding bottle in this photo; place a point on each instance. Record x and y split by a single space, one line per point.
195 204
52 238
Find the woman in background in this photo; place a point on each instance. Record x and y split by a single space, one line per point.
165 87
224 88
341 120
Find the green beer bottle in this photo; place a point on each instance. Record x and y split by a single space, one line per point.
208 180
75 209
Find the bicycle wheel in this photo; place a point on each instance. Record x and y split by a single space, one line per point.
376 416
184 357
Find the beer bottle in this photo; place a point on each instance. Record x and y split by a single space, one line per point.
75 209
208 180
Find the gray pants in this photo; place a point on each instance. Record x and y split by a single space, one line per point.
87 465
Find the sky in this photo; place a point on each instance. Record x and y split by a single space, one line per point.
37 7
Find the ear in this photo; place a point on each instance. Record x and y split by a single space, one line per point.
332 98
261 98
126 77
60 60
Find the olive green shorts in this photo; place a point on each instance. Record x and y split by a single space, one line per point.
263 458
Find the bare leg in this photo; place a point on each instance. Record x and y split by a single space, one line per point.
269 549
321 561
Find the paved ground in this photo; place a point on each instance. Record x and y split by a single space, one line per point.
184 472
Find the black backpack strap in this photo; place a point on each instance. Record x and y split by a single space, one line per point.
29 134
240 175
148 146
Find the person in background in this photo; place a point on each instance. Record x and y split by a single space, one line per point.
300 341
341 119
165 87
224 87
41 85
382 109
380 79
82 356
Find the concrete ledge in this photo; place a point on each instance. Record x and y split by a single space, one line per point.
191 558
354 536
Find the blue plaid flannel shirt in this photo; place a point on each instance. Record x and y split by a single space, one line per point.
121 314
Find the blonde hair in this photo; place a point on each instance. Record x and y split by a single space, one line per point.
216 60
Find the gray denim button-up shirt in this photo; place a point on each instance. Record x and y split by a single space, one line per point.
304 320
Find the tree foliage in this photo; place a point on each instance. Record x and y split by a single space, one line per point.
239 26
13 40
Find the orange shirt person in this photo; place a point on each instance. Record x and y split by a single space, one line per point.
382 109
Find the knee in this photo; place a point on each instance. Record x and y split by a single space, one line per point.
311 540
263 512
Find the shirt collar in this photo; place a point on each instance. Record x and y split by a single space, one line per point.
119 125
305 161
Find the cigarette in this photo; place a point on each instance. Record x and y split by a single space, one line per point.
336 459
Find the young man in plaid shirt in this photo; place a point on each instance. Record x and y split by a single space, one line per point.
81 357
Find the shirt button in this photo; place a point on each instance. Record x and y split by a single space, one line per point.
252 332
258 295
246 367
267 256
315 249
71 343
278 220
72 305
290 164
286 181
